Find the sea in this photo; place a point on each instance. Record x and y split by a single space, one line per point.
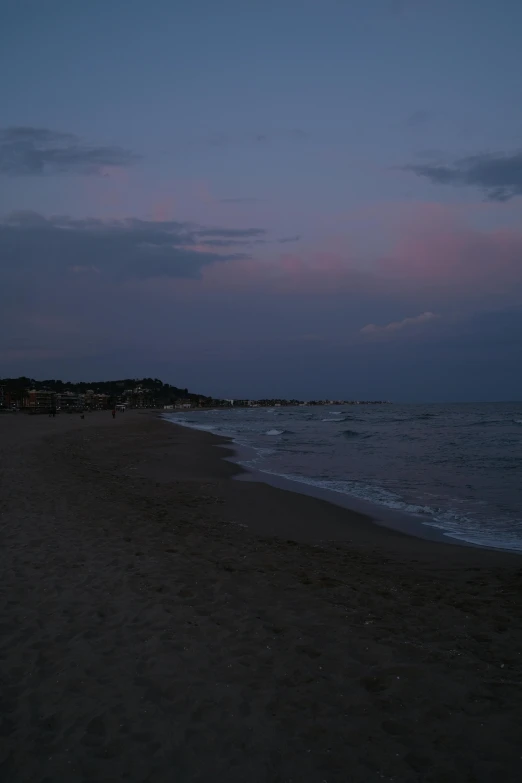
454 468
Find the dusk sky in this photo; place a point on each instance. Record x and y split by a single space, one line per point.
311 198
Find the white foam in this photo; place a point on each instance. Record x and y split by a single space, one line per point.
449 523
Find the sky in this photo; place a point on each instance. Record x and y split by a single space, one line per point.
301 198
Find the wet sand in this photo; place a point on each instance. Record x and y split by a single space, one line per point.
163 622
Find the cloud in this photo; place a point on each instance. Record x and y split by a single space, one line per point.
397 326
435 262
138 285
38 151
499 175
234 242
284 240
230 232
120 249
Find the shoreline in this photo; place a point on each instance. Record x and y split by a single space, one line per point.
163 619
348 522
380 515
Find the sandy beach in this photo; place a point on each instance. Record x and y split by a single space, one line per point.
164 622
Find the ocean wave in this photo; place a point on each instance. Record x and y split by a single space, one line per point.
483 423
463 528
370 493
475 452
346 417
448 521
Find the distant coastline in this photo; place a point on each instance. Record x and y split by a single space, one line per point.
53 395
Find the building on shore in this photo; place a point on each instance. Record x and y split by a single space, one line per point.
40 401
183 404
70 401
138 397
96 402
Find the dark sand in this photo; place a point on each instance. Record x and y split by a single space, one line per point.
153 628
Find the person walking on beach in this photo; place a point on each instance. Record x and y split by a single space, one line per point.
114 413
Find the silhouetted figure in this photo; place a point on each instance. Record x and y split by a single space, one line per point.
114 414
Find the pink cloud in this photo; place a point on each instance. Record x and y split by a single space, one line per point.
111 193
437 264
164 209
457 261
294 274
437 255
397 326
